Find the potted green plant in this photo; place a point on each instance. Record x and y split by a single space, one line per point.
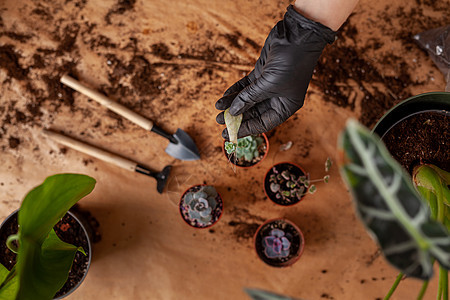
201 206
248 151
410 234
416 131
279 242
43 260
286 183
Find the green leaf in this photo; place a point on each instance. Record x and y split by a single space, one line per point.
389 206
47 268
257 294
233 123
46 204
43 261
328 164
432 183
9 283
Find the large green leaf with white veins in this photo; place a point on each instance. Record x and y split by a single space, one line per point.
389 206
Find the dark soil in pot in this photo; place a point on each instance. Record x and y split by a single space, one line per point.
216 213
421 138
290 232
69 231
280 167
263 149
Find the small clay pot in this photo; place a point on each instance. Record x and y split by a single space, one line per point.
245 164
291 167
216 213
264 239
81 263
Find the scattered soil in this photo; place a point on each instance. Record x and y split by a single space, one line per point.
244 223
262 149
293 169
291 233
69 231
421 138
367 73
216 213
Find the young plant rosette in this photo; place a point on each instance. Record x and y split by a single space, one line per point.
248 152
279 242
285 183
201 206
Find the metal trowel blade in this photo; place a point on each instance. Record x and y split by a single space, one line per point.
185 148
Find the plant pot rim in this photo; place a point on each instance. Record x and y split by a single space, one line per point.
300 250
181 199
431 101
89 255
266 139
267 173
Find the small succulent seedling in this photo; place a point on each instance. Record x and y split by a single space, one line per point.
247 148
201 204
276 245
288 186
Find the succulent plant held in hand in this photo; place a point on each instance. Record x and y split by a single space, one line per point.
247 148
276 245
201 204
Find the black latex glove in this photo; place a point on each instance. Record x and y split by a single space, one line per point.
276 87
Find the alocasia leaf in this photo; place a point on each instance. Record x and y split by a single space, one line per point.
43 261
233 123
390 207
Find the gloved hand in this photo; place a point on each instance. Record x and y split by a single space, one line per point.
276 87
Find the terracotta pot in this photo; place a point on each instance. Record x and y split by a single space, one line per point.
291 232
266 141
298 171
85 228
217 213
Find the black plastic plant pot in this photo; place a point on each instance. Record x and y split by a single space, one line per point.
277 197
279 243
70 229
263 149
201 206
417 130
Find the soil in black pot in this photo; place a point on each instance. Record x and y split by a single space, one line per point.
290 232
421 138
216 213
69 231
279 168
262 149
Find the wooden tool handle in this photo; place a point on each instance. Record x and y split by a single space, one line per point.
90 150
105 101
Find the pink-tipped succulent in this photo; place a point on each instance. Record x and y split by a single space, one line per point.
276 245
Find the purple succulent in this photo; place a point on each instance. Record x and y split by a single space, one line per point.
276 245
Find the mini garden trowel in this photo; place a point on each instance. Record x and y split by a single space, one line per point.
181 145
161 177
